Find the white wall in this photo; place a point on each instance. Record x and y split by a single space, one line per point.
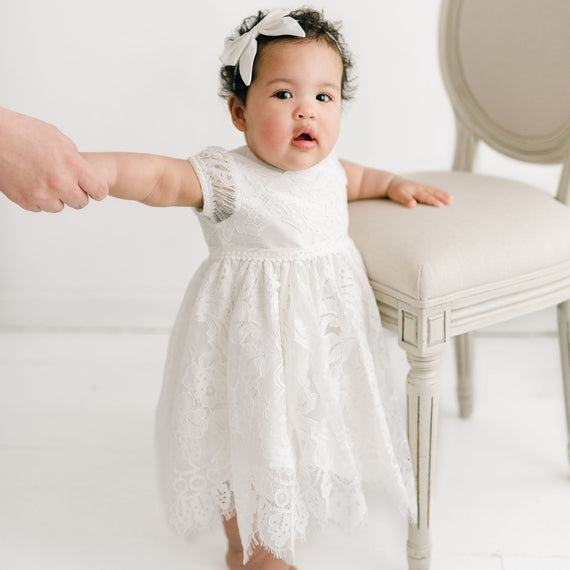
141 75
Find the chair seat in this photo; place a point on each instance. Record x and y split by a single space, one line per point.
448 252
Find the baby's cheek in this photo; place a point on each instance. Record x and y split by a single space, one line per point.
333 126
273 133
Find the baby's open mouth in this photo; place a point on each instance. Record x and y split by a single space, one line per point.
304 139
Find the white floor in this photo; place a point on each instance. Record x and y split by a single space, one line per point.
77 481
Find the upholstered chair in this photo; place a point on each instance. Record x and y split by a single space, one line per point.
503 248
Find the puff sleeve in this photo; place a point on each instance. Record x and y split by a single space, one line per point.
214 171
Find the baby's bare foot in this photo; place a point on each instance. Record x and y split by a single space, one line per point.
261 559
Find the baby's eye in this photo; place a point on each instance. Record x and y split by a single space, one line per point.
324 98
283 94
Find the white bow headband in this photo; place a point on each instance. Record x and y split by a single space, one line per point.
243 49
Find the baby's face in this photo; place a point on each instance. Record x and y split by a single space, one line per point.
292 115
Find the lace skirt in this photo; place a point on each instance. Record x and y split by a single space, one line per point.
276 405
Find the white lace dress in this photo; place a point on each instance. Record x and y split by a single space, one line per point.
275 403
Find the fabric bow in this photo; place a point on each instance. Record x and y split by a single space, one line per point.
243 49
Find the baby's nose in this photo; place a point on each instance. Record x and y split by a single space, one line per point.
305 113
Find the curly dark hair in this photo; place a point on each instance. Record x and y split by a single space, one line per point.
316 27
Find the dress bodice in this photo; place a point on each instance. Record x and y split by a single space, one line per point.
251 204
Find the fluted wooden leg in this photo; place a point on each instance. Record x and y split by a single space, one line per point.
423 397
564 336
464 357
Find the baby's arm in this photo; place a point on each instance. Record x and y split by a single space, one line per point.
371 183
151 179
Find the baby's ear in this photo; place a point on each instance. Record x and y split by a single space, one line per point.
237 111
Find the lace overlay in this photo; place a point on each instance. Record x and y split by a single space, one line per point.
276 405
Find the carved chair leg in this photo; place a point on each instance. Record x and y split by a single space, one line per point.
464 357
423 398
564 337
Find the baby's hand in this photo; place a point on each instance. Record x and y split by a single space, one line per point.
410 193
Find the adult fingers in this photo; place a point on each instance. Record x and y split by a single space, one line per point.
38 200
91 182
71 195
76 199
52 206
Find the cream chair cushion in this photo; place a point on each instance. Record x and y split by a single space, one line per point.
496 233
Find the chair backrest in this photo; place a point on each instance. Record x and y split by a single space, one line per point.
506 68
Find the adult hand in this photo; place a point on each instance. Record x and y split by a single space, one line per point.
40 168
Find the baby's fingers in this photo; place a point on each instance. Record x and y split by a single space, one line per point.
433 196
406 198
445 197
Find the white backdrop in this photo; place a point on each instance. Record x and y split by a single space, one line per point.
141 75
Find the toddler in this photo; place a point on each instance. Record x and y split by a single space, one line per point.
276 411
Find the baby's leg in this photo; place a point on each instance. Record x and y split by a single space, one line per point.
261 559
